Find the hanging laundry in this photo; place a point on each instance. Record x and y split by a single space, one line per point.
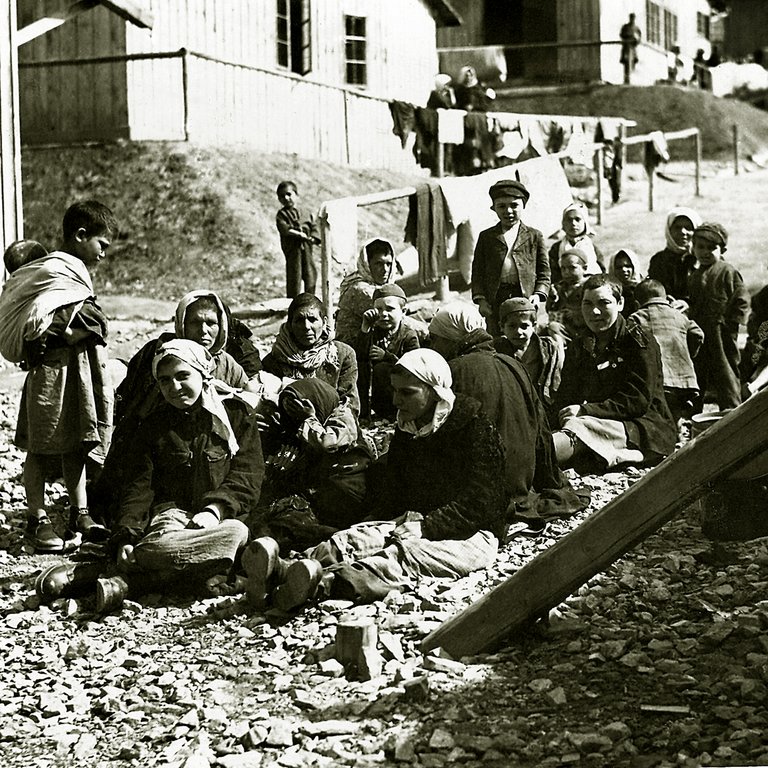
426 230
425 148
403 120
450 126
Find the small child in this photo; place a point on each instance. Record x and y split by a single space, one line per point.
21 252
52 324
542 356
577 233
679 339
384 338
719 303
624 270
297 236
564 302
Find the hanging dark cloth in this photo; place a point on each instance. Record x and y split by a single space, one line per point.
425 229
425 149
403 119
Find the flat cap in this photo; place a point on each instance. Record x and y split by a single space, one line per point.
515 305
710 230
389 289
509 188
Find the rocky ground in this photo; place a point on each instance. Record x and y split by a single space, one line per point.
662 660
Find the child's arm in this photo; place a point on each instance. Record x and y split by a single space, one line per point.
694 338
737 311
338 432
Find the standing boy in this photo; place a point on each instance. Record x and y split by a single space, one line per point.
719 303
679 339
297 236
52 324
510 258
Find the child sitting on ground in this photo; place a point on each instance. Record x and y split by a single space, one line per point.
719 303
679 339
624 270
577 233
610 403
564 302
50 322
542 356
384 339
297 236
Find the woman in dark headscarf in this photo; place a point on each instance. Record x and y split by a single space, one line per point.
305 348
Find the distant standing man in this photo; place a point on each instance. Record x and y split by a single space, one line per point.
630 38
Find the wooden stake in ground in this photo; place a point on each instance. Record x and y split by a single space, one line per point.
356 641
729 447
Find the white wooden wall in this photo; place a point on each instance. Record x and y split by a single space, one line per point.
10 152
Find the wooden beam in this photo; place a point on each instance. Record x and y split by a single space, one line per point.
135 11
738 441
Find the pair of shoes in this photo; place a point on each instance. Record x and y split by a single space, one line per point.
41 535
80 521
110 594
67 580
301 582
263 568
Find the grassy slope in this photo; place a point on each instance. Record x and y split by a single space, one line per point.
194 217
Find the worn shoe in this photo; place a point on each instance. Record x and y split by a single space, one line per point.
110 594
41 535
263 567
80 521
67 580
301 582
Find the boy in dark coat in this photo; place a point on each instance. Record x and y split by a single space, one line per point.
297 236
510 258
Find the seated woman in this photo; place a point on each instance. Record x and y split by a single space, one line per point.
195 468
577 233
315 479
444 499
304 348
610 403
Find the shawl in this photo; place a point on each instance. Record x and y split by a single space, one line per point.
303 363
191 298
32 295
430 368
676 213
632 256
362 273
455 321
198 357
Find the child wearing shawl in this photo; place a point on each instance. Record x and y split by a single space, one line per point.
51 324
196 467
625 270
444 499
564 303
577 233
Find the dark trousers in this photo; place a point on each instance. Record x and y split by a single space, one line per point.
717 365
300 267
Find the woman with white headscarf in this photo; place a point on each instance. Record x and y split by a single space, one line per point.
444 485
196 467
673 265
577 233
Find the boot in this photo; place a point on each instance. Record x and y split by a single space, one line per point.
110 593
41 534
67 580
263 568
301 582
80 521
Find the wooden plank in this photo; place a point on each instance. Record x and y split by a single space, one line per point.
734 442
135 11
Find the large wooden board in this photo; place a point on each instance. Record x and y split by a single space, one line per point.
731 445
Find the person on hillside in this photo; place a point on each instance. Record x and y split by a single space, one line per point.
630 36
610 403
297 236
577 233
673 265
441 511
719 303
471 94
383 339
50 322
443 95
195 470
510 259
305 348
679 339
625 270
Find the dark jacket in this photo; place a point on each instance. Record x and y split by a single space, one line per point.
672 270
403 340
454 477
624 383
529 254
177 459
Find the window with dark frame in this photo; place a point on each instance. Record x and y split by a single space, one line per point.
670 30
356 67
702 24
294 36
653 22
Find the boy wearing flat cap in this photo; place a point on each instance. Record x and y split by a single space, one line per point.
510 258
719 303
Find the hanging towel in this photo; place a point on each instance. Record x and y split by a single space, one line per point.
403 120
450 126
426 230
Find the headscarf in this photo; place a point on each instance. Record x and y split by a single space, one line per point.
583 241
303 363
198 357
455 321
632 256
362 271
322 395
676 213
181 315
431 368
583 211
